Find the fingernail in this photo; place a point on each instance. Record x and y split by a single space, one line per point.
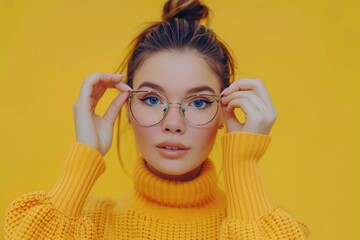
127 86
121 84
223 92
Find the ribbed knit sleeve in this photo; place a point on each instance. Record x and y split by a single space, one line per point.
250 213
56 215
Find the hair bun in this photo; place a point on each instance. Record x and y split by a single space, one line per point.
191 10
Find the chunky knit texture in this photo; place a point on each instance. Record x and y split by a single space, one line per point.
157 208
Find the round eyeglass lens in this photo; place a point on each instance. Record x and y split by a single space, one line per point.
200 109
147 108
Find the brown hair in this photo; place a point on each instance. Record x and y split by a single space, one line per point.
181 30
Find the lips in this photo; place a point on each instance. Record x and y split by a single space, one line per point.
172 150
172 146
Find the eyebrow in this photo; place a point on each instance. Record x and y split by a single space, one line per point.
190 91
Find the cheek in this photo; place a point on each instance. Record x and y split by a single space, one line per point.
145 138
205 138
142 134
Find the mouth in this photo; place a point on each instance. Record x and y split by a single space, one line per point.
172 150
172 146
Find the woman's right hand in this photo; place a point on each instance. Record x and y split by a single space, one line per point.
92 129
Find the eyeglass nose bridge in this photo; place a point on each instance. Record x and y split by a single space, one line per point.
179 105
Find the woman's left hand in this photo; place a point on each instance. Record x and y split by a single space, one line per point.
254 100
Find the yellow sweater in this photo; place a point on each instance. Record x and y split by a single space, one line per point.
157 208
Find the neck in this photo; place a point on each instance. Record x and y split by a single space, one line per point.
166 192
182 177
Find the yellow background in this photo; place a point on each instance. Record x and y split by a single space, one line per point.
307 52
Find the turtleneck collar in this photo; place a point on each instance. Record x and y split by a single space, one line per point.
176 193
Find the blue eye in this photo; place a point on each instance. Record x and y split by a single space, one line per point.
200 103
151 100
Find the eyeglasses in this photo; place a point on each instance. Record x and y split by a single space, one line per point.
149 108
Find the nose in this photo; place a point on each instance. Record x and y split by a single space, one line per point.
174 121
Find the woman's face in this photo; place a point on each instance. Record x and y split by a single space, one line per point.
173 149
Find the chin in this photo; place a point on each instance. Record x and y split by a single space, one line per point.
175 167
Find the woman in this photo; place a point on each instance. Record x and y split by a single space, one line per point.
177 95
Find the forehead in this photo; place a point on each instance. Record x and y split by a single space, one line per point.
176 72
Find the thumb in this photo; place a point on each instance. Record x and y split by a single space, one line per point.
115 107
232 123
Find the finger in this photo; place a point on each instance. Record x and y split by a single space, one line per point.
95 99
123 87
101 90
231 120
87 87
251 114
100 86
250 95
245 104
115 107
255 84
